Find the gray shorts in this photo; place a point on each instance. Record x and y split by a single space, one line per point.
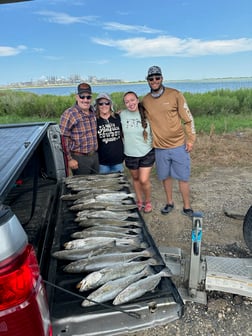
173 162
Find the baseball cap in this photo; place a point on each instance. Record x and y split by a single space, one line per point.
104 96
84 88
154 70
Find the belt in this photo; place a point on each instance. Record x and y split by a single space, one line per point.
84 154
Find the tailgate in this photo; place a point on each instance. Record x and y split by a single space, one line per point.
160 306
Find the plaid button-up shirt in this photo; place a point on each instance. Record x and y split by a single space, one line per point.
79 130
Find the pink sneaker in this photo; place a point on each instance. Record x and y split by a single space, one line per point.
148 207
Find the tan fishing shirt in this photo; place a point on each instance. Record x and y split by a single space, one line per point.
171 121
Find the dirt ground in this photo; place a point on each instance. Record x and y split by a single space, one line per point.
221 184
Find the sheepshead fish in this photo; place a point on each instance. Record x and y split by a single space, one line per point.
96 263
111 289
140 287
98 278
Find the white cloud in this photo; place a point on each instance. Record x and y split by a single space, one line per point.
11 51
129 28
173 46
64 18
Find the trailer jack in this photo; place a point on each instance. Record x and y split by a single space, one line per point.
197 274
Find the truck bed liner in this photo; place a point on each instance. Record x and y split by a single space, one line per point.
70 318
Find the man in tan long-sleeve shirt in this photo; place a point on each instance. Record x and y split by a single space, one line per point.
173 134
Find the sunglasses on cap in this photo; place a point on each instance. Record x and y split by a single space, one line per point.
151 79
104 103
84 96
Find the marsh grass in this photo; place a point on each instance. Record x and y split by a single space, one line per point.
217 112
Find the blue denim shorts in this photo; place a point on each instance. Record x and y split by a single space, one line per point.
134 163
117 168
173 162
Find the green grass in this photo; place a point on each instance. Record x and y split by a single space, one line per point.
220 111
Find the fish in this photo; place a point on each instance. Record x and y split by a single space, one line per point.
81 185
88 191
121 207
115 196
85 214
98 278
113 228
140 287
98 262
76 254
112 288
95 177
94 242
90 222
93 204
90 243
102 233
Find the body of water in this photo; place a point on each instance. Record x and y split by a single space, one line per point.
143 88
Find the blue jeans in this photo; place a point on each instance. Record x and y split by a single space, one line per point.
117 168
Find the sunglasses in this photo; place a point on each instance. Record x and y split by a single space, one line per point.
151 79
103 103
83 97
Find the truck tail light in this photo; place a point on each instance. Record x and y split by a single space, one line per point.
23 302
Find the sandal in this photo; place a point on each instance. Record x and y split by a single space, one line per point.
148 207
140 205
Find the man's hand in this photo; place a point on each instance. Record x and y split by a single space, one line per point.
189 147
73 164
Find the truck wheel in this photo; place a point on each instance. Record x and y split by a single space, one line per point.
247 228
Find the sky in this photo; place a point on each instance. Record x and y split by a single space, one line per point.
188 39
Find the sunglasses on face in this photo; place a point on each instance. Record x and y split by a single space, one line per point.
104 103
151 79
83 97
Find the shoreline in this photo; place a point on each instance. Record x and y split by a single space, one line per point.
206 80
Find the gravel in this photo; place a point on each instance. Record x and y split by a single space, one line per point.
223 195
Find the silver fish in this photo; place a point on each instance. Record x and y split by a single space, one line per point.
113 228
89 243
90 222
85 234
76 254
111 289
104 214
115 196
79 206
95 177
88 191
96 263
140 287
98 278
94 242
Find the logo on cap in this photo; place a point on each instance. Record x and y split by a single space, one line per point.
154 70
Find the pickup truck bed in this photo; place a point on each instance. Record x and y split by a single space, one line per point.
32 185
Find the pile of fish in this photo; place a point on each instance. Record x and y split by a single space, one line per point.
110 250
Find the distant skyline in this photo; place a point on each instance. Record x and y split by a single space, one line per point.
188 39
